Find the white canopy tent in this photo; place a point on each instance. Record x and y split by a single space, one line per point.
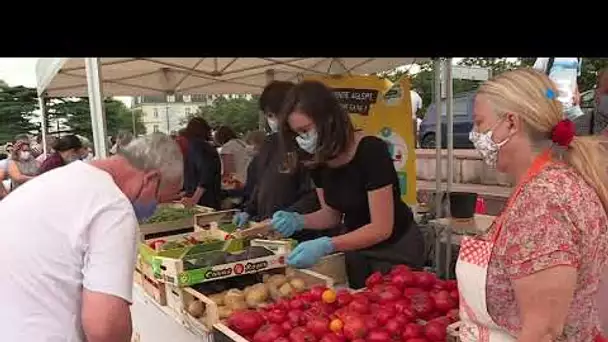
99 77
62 77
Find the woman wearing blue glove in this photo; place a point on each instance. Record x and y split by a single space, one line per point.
356 183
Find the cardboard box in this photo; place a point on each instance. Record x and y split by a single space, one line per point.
183 272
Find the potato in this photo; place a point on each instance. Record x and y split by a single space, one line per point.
257 294
274 292
233 296
238 305
218 298
286 290
277 280
298 284
290 272
224 312
196 308
246 290
263 305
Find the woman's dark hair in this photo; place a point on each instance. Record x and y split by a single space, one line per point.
271 100
198 128
334 129
66 143
224 134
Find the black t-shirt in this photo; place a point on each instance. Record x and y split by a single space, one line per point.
346 187
272 190
203 167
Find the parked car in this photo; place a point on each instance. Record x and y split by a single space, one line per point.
463 123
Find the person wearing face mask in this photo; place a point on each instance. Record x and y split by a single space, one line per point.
600 115
23 166
270 188
356 184
67 149
534 275
68 268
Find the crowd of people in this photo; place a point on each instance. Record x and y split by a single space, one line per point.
534 276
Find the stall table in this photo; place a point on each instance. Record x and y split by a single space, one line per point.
155 323
449 232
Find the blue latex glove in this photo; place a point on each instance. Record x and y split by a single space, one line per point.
287 223
241 219
308 253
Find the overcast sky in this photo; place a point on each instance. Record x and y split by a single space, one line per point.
18 71
22 71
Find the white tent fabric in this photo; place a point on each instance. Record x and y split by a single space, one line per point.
63 77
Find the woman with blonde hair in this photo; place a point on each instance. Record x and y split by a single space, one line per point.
534 275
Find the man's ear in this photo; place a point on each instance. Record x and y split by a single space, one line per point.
151 176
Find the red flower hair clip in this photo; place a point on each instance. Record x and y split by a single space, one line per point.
563 133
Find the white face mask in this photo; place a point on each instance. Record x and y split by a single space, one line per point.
273 124
308 141
486 146
24 155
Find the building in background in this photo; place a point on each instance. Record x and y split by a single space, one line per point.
167 114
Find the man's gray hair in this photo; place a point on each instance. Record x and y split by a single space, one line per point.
156 151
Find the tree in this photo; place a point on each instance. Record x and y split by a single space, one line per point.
77 115
17 106
240 114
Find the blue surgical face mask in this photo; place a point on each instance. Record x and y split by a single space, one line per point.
144 211
273 124
308 141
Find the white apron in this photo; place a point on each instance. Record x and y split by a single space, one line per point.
472 272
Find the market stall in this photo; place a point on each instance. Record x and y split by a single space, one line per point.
168 280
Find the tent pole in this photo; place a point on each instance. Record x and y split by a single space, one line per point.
450 145
262 117
437 95
43 120
450 124
98 117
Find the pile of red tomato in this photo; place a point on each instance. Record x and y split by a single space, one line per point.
403 305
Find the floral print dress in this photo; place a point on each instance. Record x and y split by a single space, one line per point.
557 219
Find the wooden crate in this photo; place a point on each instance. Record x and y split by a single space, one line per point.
205 323
453 332
148 256
152 228
175 298
204 221
138 278
334 267
222 333
155 289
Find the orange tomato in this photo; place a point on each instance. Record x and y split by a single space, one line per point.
336 325
329 296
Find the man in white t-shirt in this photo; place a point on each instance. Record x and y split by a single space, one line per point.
68 244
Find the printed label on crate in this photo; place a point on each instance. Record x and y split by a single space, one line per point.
202 275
